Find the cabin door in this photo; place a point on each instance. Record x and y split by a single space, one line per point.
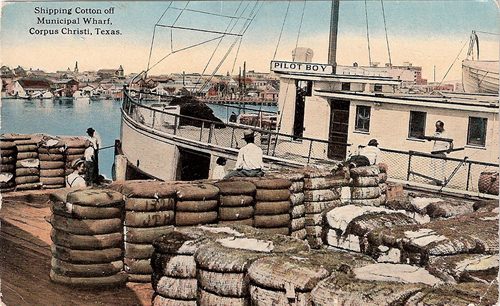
339 127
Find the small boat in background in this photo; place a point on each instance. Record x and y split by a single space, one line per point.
479 76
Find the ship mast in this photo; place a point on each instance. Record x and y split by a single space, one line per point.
334 25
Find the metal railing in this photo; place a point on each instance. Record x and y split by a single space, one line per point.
446 172
303 150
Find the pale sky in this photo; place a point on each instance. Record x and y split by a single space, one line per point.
426 33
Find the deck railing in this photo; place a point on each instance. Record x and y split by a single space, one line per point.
409 166
303 150
445 172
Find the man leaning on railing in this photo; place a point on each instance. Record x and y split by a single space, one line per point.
249 162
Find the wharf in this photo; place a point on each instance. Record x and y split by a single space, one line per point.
25 260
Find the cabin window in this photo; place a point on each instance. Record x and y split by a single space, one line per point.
417 124
377 88
346 86
476 134
363 118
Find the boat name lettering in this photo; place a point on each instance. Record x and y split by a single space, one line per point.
281 66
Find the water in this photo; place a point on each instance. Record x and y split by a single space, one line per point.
65 117
69 117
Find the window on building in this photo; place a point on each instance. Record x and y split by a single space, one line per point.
476 134
417 124
363 118
377 88
346 86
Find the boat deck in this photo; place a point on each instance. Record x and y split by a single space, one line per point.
25 260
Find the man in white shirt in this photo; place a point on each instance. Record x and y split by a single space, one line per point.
438 165
95 140
75 179
249 162
89 157
371 151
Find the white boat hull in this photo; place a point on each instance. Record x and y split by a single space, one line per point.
480 76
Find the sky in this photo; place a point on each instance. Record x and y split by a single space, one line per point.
425 33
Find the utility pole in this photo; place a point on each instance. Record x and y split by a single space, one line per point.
334 25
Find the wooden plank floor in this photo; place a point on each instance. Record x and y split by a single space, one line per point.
25 263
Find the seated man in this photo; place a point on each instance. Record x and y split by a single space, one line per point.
371 151
249 162
75 179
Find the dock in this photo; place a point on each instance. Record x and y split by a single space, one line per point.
25 260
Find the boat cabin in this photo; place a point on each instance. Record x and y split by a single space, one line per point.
354 109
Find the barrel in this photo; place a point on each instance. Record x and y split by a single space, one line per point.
488 182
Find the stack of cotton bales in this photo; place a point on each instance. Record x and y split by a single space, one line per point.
8 153
272 205
52 163
87 236
149 213
322 192
236 202
297 211
196 204
27 164
365 188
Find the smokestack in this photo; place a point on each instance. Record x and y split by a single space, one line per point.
334 24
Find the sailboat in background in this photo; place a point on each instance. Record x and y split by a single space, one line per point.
479 76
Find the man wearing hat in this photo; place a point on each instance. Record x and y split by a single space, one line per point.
249 162
371 151
95 140
75 179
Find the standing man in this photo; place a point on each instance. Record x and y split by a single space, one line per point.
438 149
89 156
249 162
95 140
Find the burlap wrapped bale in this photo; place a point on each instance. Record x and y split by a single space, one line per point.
112 281
470 233
173 259
235 187
392 286
193 192
464 294
346 221
464 267
284 280
486 205
145 189
364 171
222 265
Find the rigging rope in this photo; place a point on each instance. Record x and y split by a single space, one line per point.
173 24
386 37
458 55
368 35
247 25
154 32
218 44
300 27
282 27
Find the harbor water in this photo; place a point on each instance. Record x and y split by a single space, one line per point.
73 117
